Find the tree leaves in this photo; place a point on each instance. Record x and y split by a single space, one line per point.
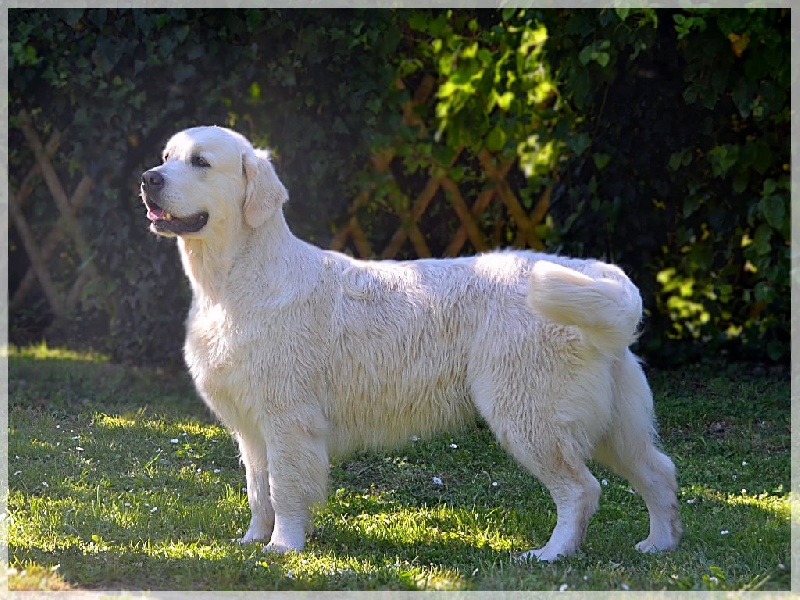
596 51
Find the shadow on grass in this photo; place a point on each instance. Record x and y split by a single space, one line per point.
187 547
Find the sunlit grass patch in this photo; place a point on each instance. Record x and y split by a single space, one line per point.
42 351
31 577
374 520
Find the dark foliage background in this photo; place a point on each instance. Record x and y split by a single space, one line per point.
664 133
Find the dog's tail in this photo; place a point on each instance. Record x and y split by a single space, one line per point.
599 300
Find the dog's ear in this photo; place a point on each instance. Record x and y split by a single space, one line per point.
264 192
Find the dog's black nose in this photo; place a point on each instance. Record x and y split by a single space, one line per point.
153 179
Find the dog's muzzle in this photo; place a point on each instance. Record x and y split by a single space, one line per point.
161 221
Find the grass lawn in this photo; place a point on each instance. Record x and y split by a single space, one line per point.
120 479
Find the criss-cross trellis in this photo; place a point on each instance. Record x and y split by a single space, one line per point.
495 171
61 296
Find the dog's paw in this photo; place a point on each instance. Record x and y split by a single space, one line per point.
539 554
283 544
254 535
246 539
288 534
278 548
648 546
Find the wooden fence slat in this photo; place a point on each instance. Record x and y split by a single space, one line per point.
341 236
482 202
418 241
480 205
360 240
56 190
37 264
380 162
468 222
542 205
51 242
421 95
469 227
419 207
538 213
67 222
510 200
26 187
352 230
76 289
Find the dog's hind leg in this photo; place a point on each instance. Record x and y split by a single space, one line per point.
652 475
554 458
629 449
576 493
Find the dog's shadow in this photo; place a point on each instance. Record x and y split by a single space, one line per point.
426 506
447 536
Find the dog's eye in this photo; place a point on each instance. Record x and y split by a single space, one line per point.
165 158
199 161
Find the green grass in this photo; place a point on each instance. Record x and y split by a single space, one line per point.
120 479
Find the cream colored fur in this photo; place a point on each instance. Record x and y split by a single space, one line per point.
306 354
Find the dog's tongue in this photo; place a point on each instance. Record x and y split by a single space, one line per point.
155 213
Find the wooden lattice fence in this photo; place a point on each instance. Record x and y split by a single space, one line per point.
496 171
61 295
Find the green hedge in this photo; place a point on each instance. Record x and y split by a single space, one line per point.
685 173
665 134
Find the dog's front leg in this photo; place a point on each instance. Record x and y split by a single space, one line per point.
298 478
253 449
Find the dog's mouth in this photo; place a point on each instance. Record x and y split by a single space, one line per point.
163 222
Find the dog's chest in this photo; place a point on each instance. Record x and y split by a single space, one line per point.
210 348
211 352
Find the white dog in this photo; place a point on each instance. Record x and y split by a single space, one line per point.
305 354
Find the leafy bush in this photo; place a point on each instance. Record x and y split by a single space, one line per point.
679 168
666 134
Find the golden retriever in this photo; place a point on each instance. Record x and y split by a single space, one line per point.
307 354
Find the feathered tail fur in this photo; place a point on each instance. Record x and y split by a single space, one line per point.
600 300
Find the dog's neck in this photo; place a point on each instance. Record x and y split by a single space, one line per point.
208 261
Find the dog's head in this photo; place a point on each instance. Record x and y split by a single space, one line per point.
211 177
